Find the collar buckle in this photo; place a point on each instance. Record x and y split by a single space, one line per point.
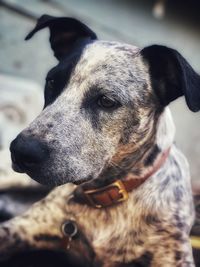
92 195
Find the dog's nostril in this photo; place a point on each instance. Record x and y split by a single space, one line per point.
27 152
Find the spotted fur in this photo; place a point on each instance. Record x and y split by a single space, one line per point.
153 225
88 144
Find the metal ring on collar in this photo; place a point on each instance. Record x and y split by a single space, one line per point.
69 228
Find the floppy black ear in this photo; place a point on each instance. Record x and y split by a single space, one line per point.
172 76
64 33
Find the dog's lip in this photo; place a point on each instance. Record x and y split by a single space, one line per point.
20 167
78 182
15 165
17 168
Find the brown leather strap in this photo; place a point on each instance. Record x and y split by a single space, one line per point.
117 191
136 182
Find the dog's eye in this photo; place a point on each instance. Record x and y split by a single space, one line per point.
50 84
106 102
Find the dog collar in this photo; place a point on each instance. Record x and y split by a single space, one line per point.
119 190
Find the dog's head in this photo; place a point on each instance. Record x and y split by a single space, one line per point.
102 106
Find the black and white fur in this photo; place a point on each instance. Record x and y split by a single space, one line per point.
106 118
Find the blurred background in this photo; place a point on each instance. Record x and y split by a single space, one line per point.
24 65
175 23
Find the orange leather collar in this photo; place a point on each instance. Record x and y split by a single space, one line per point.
117 191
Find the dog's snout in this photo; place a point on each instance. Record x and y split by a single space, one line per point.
27 153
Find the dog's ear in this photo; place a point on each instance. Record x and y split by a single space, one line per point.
64 33
172 76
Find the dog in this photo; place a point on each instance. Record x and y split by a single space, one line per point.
106 127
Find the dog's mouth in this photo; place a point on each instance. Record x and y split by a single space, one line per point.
19 166
28 168
16 168
81 181
47 172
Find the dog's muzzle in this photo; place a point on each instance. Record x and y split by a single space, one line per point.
28 153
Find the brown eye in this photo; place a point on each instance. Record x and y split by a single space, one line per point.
106 102
50 84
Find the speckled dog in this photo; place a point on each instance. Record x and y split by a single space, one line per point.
106 127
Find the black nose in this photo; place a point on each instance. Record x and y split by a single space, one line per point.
27 153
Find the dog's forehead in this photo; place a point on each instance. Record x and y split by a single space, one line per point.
107 53
103 67
104 63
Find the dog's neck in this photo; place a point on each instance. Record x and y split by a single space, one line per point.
165 131
146 163
139 162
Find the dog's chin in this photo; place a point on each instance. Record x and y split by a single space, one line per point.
51 179
47 181
55 180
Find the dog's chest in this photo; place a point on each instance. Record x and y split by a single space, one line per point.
152 214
